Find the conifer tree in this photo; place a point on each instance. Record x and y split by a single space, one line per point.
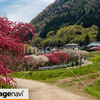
98 35
87 39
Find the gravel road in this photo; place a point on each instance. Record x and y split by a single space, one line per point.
43 91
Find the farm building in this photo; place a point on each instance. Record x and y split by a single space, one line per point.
72 45
93 45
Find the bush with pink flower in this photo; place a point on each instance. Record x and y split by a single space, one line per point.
57 58
97 49
34 61
12 37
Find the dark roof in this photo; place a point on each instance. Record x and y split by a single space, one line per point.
94 44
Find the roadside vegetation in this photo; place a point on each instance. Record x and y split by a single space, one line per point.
65 78
6 86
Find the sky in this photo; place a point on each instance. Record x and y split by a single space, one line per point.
22 10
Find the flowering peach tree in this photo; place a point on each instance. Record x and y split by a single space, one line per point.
35 61
57 58
12 37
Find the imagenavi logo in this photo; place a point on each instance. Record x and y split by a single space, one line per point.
10 94
14 94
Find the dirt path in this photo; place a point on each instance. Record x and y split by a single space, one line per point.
43 91
85 62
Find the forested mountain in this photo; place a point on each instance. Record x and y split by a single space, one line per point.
77 35
67 12
51 12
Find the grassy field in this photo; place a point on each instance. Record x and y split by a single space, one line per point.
72 78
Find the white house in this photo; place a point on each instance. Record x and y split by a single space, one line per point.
72 45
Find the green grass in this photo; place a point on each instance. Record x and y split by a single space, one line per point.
58 74
75 80
97 83
91 56
93 76
64 85
93 90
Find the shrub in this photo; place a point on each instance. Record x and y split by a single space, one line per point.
41 60
97 49
52 59
34 61
57 58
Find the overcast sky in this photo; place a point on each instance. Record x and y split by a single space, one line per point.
22 10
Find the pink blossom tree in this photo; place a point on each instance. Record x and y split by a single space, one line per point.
57 58
12 37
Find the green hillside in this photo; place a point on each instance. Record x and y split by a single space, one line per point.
77 34
71 16
65 13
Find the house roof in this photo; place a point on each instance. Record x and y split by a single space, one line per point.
94 44
71 44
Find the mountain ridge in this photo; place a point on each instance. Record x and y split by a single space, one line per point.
45 17
63 13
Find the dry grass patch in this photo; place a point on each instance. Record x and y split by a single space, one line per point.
77 86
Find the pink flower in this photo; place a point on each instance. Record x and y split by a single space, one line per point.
57 57
98 49
12 37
